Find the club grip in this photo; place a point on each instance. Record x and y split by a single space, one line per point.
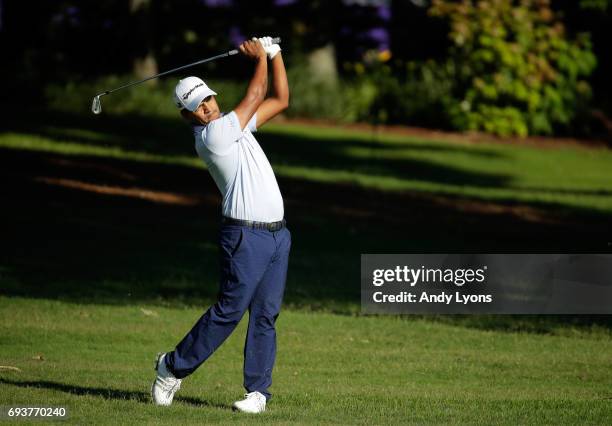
275 40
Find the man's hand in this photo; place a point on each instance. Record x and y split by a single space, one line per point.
253 49
271 48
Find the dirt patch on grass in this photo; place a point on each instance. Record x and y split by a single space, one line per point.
162 197
33 180
447 136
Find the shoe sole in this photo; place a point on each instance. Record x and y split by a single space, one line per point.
234 408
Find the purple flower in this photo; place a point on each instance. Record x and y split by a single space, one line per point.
384 12
367 3
218 3
284 2
235 35
378 34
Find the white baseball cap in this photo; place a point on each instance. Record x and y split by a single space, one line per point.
190 92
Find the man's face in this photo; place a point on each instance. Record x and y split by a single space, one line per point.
207 111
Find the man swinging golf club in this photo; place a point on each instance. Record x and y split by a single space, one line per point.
254 241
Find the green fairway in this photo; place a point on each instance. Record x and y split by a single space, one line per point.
109 255
569 176
312 211
121 210
97 361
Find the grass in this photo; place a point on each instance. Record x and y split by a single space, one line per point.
96 360
109 255
489 171
567 176
66 237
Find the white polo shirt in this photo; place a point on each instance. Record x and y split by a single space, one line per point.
240 169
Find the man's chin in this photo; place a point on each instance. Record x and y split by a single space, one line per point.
207 120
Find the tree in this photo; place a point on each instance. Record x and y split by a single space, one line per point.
144 63
517 71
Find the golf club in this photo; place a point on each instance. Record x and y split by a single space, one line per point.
96 104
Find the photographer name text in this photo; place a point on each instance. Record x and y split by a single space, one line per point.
404 275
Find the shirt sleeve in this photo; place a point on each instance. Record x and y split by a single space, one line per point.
252 125
223 132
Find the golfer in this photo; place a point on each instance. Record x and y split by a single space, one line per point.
254 241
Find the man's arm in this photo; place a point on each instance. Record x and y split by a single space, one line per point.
258 86
279 101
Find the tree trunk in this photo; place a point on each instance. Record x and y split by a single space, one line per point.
322 65
144 63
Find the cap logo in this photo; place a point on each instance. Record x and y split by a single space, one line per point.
186 95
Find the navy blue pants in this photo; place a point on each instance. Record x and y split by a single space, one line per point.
253 274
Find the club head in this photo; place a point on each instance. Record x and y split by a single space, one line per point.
96 105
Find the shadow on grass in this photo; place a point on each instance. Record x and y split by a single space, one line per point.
106 393
157 134
535 324
104 230
167 136
171 136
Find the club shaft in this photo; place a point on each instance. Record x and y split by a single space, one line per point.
133 83
223 55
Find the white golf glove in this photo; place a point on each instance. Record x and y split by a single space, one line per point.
271 48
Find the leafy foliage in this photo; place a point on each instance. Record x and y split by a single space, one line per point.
516 71
414 93
601 5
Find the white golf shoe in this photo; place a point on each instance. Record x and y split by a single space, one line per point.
254 402
165 385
